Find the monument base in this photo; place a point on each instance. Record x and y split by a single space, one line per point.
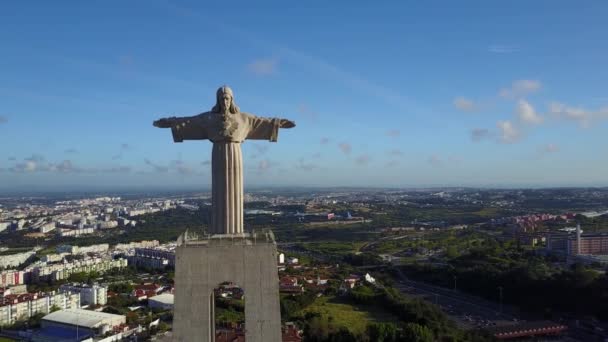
202 264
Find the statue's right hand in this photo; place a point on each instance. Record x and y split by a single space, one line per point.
164 123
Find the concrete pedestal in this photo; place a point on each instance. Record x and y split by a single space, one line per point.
248 260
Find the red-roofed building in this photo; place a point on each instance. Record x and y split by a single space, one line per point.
145 291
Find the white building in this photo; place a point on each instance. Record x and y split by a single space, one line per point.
101 248
5 225
163 301
76 232
47 227
14 260
19 307
89 294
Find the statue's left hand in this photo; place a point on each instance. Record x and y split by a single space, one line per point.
287 123
164 123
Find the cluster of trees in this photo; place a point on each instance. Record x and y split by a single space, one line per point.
527 280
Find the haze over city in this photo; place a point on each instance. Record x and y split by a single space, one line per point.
467 94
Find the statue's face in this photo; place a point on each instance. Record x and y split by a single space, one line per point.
226 102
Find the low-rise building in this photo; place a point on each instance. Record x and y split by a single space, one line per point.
91 322
162 301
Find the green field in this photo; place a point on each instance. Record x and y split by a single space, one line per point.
344 313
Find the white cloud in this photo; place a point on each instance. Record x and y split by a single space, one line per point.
464 104
583 116
520 88
527 114
508 132
263 67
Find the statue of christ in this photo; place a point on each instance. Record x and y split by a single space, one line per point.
227 127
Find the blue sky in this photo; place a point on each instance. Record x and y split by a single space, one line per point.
468 93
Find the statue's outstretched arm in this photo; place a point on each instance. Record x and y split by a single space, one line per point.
266 128
184 128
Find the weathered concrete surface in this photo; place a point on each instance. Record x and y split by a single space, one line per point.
201 265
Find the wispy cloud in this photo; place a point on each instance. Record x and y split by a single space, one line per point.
393 133
501 48
3 119
260 150
585 118
508 133
392 163
520 88
306 166
181 167
125 146
38 163
464 104
263 66
480 134
346 148
547 149
324 141
156 167
264 166
71 151
307 113
527 114
435 161
395 153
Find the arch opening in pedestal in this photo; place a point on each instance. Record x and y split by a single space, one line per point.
227 304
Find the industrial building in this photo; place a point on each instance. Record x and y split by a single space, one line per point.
92 322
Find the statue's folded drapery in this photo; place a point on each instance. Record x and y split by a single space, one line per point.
226 159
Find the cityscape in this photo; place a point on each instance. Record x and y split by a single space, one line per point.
473 264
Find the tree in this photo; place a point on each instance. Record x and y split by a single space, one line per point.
382 332
417 333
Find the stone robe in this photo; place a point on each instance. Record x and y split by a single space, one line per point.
226 132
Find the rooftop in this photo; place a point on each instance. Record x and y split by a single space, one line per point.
84 318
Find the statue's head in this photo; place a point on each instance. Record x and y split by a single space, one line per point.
225 101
